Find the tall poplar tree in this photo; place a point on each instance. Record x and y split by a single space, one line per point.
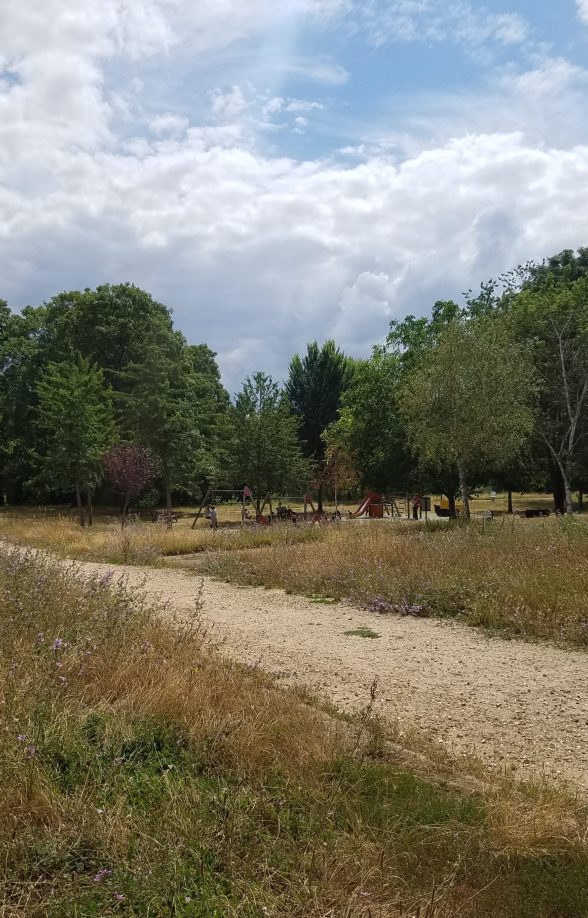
75 421
315 385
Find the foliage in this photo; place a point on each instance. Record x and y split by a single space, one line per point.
468 403
75 417
315 385
370 428
129 467
266 454
555 317
168 394
340 469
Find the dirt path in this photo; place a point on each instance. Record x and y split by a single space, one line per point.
510 702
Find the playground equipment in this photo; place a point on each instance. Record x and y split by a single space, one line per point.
216 495
375 506
283 512
372 505
442 508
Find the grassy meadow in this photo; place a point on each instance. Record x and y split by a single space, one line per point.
139 542
519 577
142 774
514 576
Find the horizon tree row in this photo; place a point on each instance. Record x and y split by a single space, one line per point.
101 396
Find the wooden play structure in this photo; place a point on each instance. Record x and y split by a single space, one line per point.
373 506
376 507
243 496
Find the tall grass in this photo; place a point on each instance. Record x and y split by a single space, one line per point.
139 543
523 578
141 774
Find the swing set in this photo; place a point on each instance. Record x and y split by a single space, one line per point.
246 494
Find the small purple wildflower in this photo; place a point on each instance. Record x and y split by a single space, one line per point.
119 897
384 607
101 875
30 751
21 737
58 644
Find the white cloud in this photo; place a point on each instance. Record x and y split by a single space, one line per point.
228 104
249 247
168 123
257 252
278 104
318 69
583 10
437 20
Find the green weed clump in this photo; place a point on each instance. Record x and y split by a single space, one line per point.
526 578
141 774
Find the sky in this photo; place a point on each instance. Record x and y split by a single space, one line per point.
279 171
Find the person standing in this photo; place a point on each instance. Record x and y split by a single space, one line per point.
416 506
213 517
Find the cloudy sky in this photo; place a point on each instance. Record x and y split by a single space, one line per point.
281 170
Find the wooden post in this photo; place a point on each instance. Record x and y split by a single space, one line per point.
208 495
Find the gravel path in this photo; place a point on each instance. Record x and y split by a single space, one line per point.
512 703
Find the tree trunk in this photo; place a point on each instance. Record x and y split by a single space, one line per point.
451 502
81 514
90 508
510 508
558 490
581 500
568 490
168 496
125 510
465 500
565 490
320 498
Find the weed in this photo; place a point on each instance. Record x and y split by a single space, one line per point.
363 633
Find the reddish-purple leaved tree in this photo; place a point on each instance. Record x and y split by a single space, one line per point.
129 468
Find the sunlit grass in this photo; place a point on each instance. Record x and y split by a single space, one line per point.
141 774
140 542
522 577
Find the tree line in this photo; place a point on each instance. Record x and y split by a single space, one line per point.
102 399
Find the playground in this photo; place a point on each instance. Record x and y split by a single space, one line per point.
234 507
510 574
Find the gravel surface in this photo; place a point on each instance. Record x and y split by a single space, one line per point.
512 703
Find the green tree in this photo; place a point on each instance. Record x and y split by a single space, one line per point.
76 424
553 314
266 453
111 325
468 402
160 410
315 385
370 426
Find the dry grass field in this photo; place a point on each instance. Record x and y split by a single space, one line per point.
517 576
142 774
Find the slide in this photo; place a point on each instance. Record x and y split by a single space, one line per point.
365 504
